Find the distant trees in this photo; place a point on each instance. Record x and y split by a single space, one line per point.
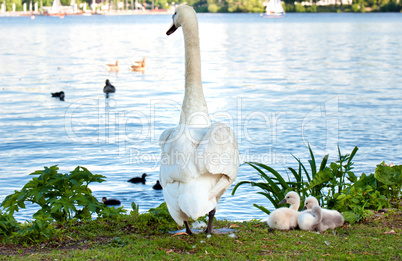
244 6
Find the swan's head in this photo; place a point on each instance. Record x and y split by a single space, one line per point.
291 198
182 14
310 203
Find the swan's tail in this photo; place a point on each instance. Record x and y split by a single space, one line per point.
194 196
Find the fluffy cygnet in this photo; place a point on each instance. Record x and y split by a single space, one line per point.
309 219
330 219
323 219
310 203
286 218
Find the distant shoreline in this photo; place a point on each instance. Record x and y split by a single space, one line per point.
119 12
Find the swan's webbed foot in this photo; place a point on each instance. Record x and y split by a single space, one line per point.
210 222
188 230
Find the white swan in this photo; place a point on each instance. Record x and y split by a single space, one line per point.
324 218
199 159
286 218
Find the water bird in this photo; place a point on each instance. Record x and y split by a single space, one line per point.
109 88
329 219
60 95
113 67
286 218
157 186
311 201
139 65
110 202
309 219
192 180
138 179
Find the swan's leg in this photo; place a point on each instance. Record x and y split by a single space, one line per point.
210 221
188 230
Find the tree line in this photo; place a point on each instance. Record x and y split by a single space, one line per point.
239 6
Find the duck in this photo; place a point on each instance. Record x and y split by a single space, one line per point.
330 219
110 202
157 186
113 67
192 181
138 179
109 88
60 95
286 218
139 66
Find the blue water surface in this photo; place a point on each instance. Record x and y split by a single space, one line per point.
322 79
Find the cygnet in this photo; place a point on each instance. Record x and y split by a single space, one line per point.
329 219
286 218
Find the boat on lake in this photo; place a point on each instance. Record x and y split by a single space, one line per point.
274 9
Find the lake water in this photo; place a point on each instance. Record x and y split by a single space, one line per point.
323 79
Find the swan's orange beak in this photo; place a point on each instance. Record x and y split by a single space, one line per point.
171 30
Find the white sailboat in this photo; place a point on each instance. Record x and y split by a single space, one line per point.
274 9
55 7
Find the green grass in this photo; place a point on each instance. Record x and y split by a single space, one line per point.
123 239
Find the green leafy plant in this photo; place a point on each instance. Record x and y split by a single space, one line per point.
158 218
330 181
136 209
356 214
8 224
391 176
366 194
275 187
60 196
300 185
37 230
112 212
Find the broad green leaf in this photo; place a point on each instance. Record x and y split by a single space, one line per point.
389 175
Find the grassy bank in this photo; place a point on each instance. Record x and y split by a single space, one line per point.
127 239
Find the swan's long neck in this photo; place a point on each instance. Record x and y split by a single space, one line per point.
295 206
194 108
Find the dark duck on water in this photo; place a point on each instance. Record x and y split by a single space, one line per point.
110 202
157 186
138 179
60 95
109 88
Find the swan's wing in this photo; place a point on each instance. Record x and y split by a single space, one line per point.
218 153
164 168
177 166
178 156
